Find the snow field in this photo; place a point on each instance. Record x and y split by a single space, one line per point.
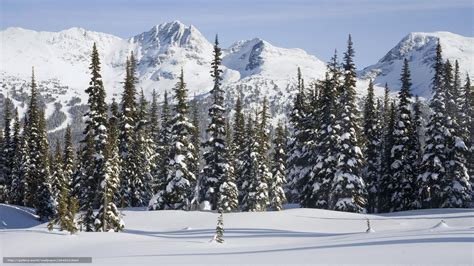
292 236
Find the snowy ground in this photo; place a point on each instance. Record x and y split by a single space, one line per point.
292 236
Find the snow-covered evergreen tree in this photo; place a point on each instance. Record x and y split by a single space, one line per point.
142 159
44 199
228 192
263 136
277 194
68 158
297 166
195 136
7 150
128 121
13 165
162 159
316 189
38 192
195 150
464 119
434 159
20 165
57 179
385 185
418 136
66 206
83 172
180 181
95 141
65 213
219 236
404 148
216 165
250 166
153 125
255 182
467 123
108 217
239 146
456 187
373 148
348 192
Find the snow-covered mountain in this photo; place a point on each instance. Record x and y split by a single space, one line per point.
252 68
419 49
161 52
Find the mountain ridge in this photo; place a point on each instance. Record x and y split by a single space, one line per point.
253 68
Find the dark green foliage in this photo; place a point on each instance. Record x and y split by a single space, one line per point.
385 186
239 145
68 158
108 217
255 187
66 210
297 172
219 236
142 157
216 165
163 148
404 148
95 142
20 165
128 122
228 192
456 187
196 144
348 192
316 188
372 133
153 124
180 181
7 150
277 194
38 189
57 179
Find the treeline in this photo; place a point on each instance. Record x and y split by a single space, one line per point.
388 158
136 153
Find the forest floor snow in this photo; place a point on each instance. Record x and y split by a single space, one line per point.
291 236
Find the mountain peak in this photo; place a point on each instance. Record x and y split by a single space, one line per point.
74 30
415 41
419 48
172 34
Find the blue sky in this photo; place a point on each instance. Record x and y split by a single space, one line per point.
318 26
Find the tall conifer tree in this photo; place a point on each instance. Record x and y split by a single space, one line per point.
7 149
180 180
404 148
68 158
163 148
277 194
108 217
456 187
348 192
228 192
239 143
128 121
372 150
20 165
216 165
95 141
